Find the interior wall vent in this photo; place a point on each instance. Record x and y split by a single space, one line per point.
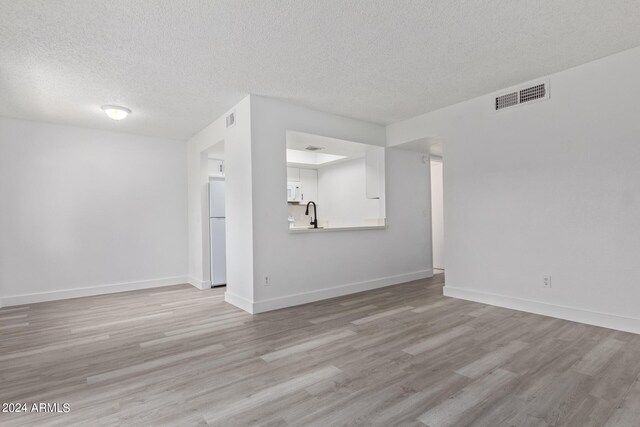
533 92
507 100
231 119
521 95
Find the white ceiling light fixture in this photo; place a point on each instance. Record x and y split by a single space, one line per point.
116 112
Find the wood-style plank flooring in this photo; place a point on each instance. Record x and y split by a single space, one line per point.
402 355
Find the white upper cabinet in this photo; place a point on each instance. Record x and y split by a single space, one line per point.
216 168
374 170
293 174
309 185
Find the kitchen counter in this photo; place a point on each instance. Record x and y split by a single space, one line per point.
296 230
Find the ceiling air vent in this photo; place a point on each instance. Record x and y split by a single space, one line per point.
231 119
313 148
517 96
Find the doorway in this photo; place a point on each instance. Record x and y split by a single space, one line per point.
437 213
217 216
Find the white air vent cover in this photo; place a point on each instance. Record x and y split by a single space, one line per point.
507 100
231 119
533 92
521 95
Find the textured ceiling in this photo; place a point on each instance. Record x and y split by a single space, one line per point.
179 64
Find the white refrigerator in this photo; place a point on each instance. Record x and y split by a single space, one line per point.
217 230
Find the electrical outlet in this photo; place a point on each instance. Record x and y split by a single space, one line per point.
267 280
546 281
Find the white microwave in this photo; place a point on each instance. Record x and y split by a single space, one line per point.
294 192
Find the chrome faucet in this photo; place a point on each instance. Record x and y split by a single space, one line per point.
314 220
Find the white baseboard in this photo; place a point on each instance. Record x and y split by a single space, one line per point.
94 290
605 320
200 284
238 301
321 294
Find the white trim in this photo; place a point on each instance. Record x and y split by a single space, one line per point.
200 284
94 290
321 294
238 301
605 320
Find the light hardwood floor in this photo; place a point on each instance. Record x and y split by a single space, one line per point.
402 355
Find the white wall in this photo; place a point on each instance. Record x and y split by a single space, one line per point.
310 266
342 200
437 214
87 212
238 206
547 188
